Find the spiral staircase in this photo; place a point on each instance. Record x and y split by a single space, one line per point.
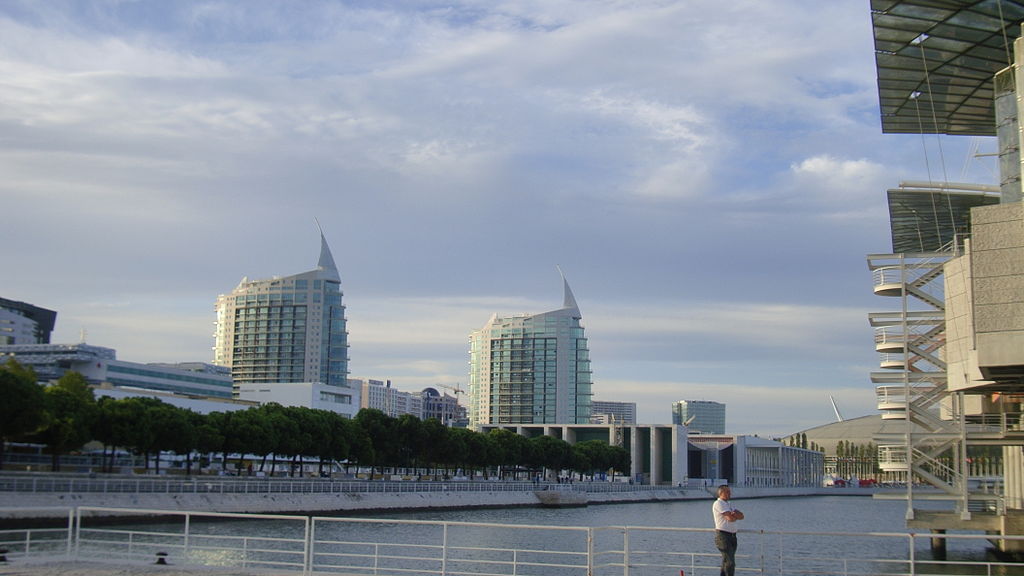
931 451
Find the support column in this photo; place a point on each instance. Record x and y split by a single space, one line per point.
635 456
654 457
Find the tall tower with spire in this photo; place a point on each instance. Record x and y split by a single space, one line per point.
285 329
531 369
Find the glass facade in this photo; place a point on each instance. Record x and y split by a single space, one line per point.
700 416
532 369
290 329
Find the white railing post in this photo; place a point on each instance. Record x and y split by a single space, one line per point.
71 532
307 553
625 552
444 550
910 555
188 531
590 551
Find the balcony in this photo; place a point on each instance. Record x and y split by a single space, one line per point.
892 362
888 281
891 398
892 458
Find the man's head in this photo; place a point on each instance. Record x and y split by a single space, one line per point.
724 492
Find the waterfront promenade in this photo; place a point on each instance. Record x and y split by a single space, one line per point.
50 495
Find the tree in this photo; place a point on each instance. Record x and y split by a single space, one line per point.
173 430
409 437
379 428
550 452
335 444
435 437
23 408
70 413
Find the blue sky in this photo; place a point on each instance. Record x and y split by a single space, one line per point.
710 179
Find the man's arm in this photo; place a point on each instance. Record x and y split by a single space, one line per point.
733 515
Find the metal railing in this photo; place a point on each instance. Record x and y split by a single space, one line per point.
388 547
229 485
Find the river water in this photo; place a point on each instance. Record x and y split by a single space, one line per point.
823 516
787 535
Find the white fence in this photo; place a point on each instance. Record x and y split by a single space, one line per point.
384 547
222 485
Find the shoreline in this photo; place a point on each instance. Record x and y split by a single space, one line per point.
18 507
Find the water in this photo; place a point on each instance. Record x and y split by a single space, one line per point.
825 535
823 516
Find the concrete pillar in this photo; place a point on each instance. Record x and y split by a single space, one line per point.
680 464
655 455
739 453
635 456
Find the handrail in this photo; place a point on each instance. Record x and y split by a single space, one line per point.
267 485
393 547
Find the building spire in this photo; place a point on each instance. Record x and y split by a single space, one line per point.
326 262
568 300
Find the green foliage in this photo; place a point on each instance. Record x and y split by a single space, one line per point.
22 411
67 416
70 413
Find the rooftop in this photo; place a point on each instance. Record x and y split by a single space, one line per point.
936 60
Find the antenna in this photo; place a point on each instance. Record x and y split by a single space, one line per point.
839 417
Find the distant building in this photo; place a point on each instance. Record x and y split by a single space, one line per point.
752 461
338 399
379 395
197 404
100 365
286 329
700 416
605 412
531 369
23 323
657 453
443 407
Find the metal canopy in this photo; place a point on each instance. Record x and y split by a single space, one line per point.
936 60
929 219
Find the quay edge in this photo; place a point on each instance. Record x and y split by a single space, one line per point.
21 505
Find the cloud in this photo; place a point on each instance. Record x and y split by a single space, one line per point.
844 189
710 175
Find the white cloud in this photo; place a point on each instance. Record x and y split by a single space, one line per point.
844 189
684 151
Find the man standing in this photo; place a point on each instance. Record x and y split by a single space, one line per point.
725 529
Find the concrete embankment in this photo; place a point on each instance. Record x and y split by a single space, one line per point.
15 505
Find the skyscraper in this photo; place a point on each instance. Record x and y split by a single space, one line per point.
531 369
289 329
700 416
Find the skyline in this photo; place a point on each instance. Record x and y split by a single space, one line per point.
710 179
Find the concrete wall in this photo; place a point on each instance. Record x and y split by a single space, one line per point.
997 249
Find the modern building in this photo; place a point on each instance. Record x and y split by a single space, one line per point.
339 399
754 462
531 369
197 404
23 323
380 395
700 416
953 348
100 365
657 452
443 407
607 412
665 455
285 329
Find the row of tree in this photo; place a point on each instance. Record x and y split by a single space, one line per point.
65 415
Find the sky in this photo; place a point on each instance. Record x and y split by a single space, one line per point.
709 176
